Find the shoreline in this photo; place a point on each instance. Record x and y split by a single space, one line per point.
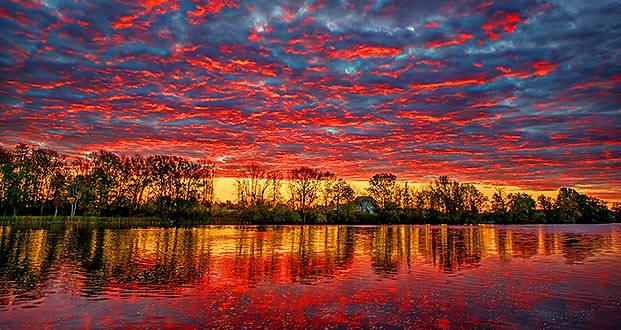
113 222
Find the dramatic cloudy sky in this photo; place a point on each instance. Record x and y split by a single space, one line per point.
523 93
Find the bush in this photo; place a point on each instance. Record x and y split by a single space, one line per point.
316 216
283 214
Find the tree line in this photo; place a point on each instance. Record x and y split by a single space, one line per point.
36 181
42 182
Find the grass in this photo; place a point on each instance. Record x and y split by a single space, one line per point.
114 222
51 221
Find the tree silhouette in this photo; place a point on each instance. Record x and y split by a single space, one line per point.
383 188
304 185
521 207
252 184
274 178
38 181
567 205
337 191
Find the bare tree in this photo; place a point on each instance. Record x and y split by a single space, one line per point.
252 184
304 186
274 178
206 185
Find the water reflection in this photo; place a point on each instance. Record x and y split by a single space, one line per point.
111 264
104 259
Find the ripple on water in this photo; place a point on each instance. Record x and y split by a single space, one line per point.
292 276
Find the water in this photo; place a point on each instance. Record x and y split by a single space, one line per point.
515 277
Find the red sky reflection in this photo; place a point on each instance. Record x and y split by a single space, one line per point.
521 93
315 277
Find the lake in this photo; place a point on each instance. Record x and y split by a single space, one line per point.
387 277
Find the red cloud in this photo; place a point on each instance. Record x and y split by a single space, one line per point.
430 63
364 51
543 68
463 37
394 74
501 22
253 36
448 83
212 7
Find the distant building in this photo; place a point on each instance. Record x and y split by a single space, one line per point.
365 204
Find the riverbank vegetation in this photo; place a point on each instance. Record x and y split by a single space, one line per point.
42 182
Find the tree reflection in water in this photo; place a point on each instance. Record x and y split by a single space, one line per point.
125 258
106 263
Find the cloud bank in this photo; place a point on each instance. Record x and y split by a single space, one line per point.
524 93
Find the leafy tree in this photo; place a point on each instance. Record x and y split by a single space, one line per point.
521 207
76 174
19 178
162 176
572 206
337 191
59 185
449 195
499 201
457 200
46 165
383 188
473 199
594 210
105 180
6 169
545 203
616 212
427 202
567 205
138 172
406 198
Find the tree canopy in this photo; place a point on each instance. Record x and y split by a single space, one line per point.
38 181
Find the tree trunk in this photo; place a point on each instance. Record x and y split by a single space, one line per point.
73 207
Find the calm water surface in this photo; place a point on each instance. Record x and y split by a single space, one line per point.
516 277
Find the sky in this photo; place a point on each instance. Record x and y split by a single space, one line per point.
520 93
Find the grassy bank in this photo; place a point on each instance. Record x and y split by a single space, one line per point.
112 222
122 222
46 221
235 219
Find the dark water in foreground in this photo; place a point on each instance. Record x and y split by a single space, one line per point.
312 277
